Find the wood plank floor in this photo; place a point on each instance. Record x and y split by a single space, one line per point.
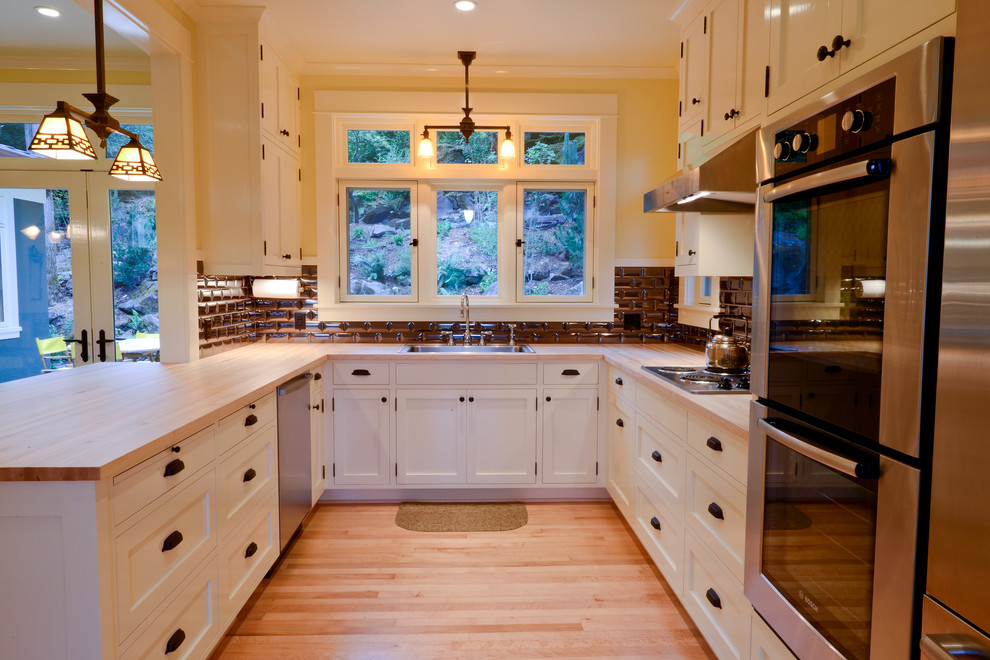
572 583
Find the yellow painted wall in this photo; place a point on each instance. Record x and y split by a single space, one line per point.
647 143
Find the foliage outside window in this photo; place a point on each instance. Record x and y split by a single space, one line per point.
480 149
467 242
791 270
553 148
554 227
378 146
134 234
15 139
145 132
379 231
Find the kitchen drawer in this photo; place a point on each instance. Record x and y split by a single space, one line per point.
711 496
662 533
465 373
567 373
621 384
245 557
244 477
192 618
672 416
764 643
235 427
154 555
142 484
660 459
360 373
715 602
726 451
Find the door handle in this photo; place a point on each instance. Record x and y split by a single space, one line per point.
950 646
83 342
103 341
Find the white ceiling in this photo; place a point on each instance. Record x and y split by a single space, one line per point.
513 38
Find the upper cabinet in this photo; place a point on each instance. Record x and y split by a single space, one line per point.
694 70
247 152
814 41
737 55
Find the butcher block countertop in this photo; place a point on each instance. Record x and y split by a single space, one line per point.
93 422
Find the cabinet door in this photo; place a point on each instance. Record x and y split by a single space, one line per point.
279 100
686 231
797 29
694 69
570 436
875 26
360 437
429 436
318 478
723 39
500 436
619 482
280 205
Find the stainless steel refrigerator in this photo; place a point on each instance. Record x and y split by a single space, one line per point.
956 610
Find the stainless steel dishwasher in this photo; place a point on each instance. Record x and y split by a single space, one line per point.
294 488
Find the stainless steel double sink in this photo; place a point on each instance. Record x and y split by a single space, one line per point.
460 348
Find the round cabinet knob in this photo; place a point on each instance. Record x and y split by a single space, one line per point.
803 142
781 151
854 121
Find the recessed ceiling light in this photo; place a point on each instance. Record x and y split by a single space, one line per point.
465 5
50 12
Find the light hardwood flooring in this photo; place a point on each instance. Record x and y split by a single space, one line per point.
572 583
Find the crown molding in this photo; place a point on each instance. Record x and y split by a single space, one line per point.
510 71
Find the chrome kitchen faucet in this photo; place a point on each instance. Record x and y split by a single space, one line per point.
466 315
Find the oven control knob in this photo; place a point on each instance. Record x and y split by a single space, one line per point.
725 384
854 121
804 142
781 151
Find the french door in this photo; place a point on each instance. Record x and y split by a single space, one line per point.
78 253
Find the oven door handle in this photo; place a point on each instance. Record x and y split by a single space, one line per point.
844 465
948 647
876 168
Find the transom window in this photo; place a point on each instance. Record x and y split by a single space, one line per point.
378 146
553 148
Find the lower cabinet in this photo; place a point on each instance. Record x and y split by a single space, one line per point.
619 478
317 431
455 436
661 532
715 601
570 436
764 643
360 436
246 556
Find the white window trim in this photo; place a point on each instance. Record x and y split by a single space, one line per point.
695 309
10 327
587 112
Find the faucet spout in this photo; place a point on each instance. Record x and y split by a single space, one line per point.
466 315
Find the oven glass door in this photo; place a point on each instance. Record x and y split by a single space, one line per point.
827 282
818 544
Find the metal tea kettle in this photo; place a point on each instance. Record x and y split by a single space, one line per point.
726 352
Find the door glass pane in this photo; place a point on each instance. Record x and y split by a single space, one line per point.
37 267
379 230
553 242
134 241
467 242
15 139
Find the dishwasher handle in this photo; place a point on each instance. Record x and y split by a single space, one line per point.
296 383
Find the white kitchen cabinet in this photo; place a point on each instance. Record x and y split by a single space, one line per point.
714 244
689 144
737 57
799 29
281 178
242 195
360 436
570 435
446 436
279 99
693 70
619 476
317 433
764 643
715 602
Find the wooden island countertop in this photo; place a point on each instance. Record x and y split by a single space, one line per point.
93 422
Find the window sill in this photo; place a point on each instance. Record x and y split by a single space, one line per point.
487 312
696 315
10 333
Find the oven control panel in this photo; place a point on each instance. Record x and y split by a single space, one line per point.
860 121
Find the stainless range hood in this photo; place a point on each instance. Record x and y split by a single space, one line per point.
726 183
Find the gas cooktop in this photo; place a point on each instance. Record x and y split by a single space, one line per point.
704 381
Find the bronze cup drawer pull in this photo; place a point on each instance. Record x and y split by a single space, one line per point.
656 523
251 420
250 474
714 443
174 467
716 511
172 541
713 598
657 456
175 641
251 549
360 372
570 372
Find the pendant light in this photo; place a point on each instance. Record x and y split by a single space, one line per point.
61 134
466 126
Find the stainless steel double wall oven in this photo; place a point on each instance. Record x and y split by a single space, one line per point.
846 293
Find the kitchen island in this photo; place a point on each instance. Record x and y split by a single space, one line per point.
141 498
